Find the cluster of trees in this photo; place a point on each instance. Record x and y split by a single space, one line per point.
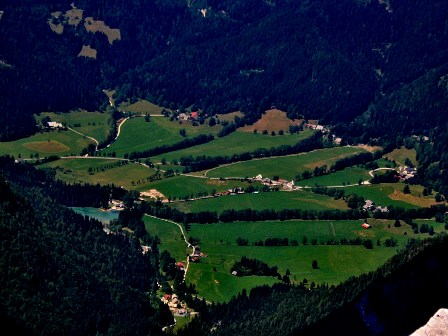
92 170
367 243
206 162
247 267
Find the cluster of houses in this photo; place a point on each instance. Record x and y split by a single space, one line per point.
405 173
177 307
285 184
188 116
370 206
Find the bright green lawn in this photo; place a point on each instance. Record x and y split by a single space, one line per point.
93 124
276 200
139 135
285 167
45 144
236 143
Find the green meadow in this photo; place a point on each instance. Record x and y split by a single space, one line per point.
286 167
236 143
276 200
139 135
336 262
93 124
169 235
60 143
351 175
77 170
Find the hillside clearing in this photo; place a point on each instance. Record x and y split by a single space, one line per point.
95 26
273 120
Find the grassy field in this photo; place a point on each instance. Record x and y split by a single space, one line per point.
237 143
93 124
347 176
264 200
139 135
230 116
336 263
170 237
401 154
180 186
76 170
392 194
45 144
285 167
141 107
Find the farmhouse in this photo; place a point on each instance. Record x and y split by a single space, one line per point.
366 226
194 115
53 124
369 205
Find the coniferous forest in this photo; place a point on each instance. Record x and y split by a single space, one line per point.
376 71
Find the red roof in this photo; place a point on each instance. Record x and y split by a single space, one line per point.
194 115
180 264
167 296
365 226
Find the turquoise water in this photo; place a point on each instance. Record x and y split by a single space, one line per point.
103 216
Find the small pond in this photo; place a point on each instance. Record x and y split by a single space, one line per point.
102 216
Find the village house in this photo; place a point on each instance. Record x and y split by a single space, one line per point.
53 124
366 225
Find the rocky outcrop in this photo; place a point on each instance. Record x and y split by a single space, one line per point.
437 325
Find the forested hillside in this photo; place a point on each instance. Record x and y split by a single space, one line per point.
333 61
61 274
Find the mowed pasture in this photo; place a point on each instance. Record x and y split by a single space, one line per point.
93 124
44 144
77 170
139 135
272 120
285 167
142 107
276 200
236 143
336 262
386 194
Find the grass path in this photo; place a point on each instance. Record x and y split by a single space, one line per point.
89 137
